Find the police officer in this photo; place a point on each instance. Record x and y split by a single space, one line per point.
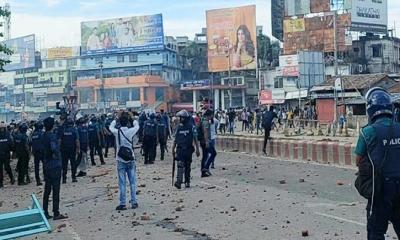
182 149
52 165
378 151
162 135
69 149
109 137
37 149
142 120
84 144
150 139
94 141
267 121
6 145
23 154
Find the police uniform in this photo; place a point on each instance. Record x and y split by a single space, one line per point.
150 140
6 145
94 142
37 151
378 150
109 137
69 151
84 144
162 138
185 134
22 153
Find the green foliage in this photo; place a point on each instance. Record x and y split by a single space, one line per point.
3 48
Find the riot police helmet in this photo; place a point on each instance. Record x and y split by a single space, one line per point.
152 115
39 125
23 127
183 114
379 103
93 119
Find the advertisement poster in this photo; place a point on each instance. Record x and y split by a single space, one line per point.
23 53
232 39
121 35
60 52
369 15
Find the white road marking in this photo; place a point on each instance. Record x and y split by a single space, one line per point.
340 219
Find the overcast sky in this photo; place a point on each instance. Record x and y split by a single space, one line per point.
57 22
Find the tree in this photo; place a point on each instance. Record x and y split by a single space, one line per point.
3 48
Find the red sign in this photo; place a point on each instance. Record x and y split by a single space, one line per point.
265 98
292 71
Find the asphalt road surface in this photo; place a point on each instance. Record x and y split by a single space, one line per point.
248 197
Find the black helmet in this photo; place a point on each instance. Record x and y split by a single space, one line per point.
39 125
69 122
152 115
158 116
183 114
23 127
94 119
379 102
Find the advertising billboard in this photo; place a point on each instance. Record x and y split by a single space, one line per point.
23 53
297 7
289 65
121 35
318 35
294 25
318 6
369 15
232 39
60 52
277 15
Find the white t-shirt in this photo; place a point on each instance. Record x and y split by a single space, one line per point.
128 132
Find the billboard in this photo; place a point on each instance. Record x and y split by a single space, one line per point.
297 7
121 35
318 6
289 65
294 25
232 39
23 53
60 52
369 15
312 68
277 15
318 35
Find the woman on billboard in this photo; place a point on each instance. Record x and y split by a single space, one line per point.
244 51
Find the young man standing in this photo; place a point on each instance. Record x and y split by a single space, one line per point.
126 167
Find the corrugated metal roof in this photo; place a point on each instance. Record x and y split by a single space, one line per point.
362 81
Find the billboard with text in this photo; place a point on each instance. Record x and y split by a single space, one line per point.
60 52
122 35
232 39
369 15
23 53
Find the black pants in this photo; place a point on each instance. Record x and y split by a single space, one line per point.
37 158
163 146
267 132
204 153
222 128
5 163
109 143
184 161
150 149
95 148
69 156
52 178
22 167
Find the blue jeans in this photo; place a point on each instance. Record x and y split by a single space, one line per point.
231 127
123 170
212 154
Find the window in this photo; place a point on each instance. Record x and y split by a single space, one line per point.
72 62
250 85
135 94
98 60
377 50
278 82
159 94
61 79
60 64
50 64
120 59
86 95
133 58
60 74
122 95
145 94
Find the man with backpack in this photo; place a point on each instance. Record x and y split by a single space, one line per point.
126 165
378 150
267 122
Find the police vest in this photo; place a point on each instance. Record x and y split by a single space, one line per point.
5 143
68 138
386 136
83 136
161 130
92 131
150 128
37 141
20 144
184 136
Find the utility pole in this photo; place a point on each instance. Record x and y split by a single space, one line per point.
230 81
23 93
335 41
103 96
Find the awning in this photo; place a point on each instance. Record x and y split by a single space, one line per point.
271 102
297 94
182 106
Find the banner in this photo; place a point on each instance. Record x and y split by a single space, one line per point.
369 15
60 52
294 25
121 35
23 53
232 39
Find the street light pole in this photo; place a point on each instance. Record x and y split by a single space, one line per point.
103 97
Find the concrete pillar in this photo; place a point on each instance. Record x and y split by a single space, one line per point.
223 99
216 99
194 100
244 97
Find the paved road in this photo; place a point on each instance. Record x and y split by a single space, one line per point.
244 199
